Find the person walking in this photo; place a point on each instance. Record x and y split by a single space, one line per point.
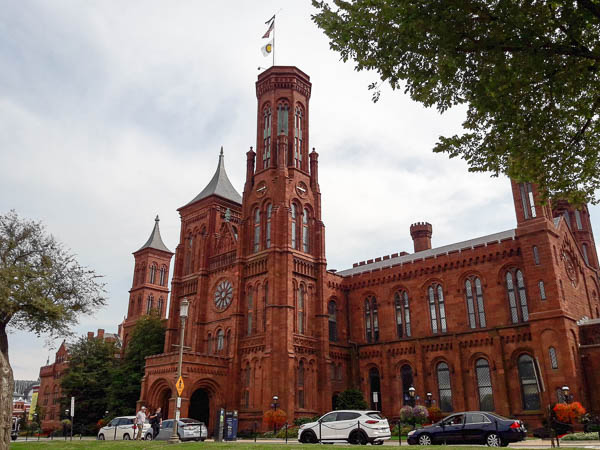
156 422
140 418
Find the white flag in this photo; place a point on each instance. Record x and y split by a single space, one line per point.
268 48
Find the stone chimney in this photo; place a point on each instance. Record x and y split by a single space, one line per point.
421 234
90 335
100 334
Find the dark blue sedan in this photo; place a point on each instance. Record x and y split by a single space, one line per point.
473 427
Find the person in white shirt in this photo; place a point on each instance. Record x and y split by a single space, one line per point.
140 418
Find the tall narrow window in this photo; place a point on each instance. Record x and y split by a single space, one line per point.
256 230
301 384
402 314
444 386
220 340
267 138
305 231
371 319
527 200
567 217
484 385
536 256
331 310
578 220
298 137
294 231
398 306
542 290
209 344
406 314
250 311
553 358
188 254
282 119
264 309
475 307
301 311
584 248
152 273
529 383
160 306
520 312
149 304
437 309
163 276
268 230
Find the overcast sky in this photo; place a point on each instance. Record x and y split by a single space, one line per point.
112 112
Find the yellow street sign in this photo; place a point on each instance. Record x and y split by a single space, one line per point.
179 385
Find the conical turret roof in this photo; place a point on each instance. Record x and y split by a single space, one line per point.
219 185
155 241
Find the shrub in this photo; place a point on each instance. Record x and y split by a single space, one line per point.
268 434
292 432
435 414
302 420
351 399
581 437
568 413
274 418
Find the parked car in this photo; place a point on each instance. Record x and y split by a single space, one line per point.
14 429
121 428
187 430
473 427
355 427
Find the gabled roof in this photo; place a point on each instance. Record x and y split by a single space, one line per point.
435 252
155 241
219 185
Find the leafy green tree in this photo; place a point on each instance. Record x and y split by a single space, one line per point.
147 338
88 379
351 399
43 289
528 71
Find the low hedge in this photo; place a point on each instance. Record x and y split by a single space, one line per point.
581 437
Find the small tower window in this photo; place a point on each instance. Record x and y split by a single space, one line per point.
256 230
268 230
149 304
220 340
267 137
294 226
163 276
305 246
527 200
553 358
536 256
282 119
265 303
250 311
152 273
301 311
584 247
331 310
578 220
161 304
542 290
298 137
567 217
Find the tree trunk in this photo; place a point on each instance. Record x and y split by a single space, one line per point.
7 384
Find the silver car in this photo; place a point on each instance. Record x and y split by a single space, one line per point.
187 430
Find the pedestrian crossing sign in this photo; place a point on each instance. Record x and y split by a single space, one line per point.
179 385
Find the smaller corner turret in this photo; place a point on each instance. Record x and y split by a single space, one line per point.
421 234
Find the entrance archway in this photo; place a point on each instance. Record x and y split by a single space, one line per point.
163 402
200 406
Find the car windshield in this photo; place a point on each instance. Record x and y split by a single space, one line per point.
497 416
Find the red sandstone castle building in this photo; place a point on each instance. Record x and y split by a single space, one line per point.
497 323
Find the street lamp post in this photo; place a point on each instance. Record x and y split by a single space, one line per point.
275 404
566 395
412 392
428 402
183 313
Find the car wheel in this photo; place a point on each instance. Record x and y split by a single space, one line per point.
202 439
357 438
100 437
424 439
377 443
308 437
493 440
148 437
126 437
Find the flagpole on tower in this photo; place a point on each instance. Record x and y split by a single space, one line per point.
274 38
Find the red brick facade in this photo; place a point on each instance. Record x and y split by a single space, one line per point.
487 323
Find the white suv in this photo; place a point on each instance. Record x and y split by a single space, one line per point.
356 427
121 428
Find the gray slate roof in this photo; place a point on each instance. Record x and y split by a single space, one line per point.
219 185
439 251
155 241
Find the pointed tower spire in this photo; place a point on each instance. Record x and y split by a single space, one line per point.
155 241
219 185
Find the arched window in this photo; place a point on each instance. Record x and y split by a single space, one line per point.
152 273
584 248
406 375
375 385
209 344
268 230
161 304
256 230
267 137
521 312
149 304
536 256
331 310
475 306
529 383
220 340
527 200
139 308
402 314
301 311
246 376
265 303
437 309
228 342
371 319
305 246
301 384
484 385
188 254
444 387
250 311
578 220
553 358
294 226
163 276
282 118
298 137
